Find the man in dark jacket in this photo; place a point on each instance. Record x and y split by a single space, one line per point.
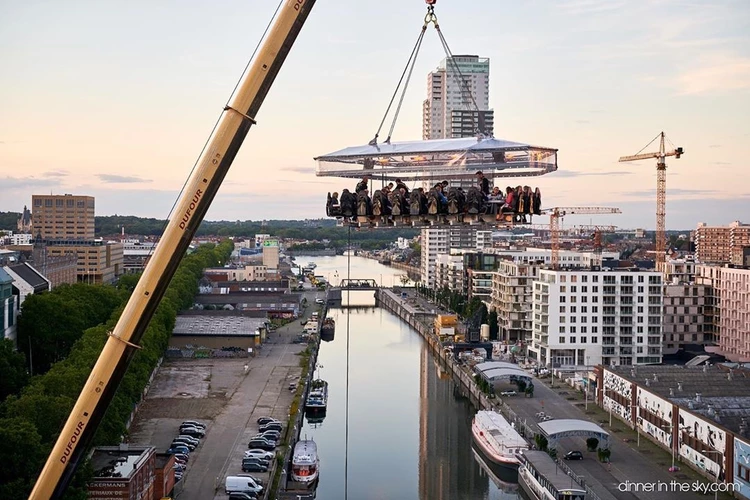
362 185
483 184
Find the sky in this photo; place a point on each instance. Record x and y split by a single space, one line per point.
116 99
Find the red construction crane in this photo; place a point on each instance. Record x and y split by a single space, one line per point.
555 214
661 191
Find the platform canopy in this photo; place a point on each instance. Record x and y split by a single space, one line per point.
489 365
511 374
557 429
441 159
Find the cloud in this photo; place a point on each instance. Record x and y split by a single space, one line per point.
299 170
583 122
56 173
591 6
27 183
722 163
714 146
575 173
120 179
674 192
716 73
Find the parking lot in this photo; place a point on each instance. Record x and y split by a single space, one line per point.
228 395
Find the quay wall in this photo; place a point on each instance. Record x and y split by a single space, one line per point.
423 323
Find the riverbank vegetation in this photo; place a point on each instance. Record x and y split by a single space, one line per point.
31 421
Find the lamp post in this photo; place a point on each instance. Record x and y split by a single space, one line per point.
588 382
718 471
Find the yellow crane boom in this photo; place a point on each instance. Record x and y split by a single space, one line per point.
212 167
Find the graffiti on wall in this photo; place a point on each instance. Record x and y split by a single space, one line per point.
741 467
660 407
616 384
708 435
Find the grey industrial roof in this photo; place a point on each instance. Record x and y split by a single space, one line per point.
220 326
555 426
248 298
724 394
544 464
31 276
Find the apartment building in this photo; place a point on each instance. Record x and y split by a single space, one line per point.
710 277
449 110
684 316
680 270
722 244
734 322
441 241
512 299
449 272
584 317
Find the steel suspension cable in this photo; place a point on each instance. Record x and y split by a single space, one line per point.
406 84
409 63
348 311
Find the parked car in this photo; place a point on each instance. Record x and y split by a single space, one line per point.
254 478
263 444
192 431
265 420
270 426
268 455
274 442
254 467
275 435
320 301
180 442
243 484
573 455
193 423
242 495
255 460
181 457
179 449
189 439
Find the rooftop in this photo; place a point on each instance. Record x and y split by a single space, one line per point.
118 461
31 276
716 392
221 326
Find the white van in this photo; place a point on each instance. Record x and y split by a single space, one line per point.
241 484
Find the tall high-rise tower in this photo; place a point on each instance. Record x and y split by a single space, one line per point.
449 109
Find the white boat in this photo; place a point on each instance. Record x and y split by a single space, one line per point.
497 439
542 479
305 462
317 399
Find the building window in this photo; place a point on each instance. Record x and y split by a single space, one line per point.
584 289
640 289
594 340
584 279
563 289
572 329
595 279
562 329
594 329
572 309
572 340
562 309
583 340
583 329
573 289
562 319
595 289
640 279
583 309
563 278
639 340
562 340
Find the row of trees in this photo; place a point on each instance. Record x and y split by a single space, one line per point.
30 422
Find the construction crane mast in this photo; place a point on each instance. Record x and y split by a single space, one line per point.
661 191
209 172
555 214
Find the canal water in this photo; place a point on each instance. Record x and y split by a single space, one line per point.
409 428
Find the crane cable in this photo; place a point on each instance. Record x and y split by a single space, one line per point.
348 311
430 18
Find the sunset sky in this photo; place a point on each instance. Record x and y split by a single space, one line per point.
116 99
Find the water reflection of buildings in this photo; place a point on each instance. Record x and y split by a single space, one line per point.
447 469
